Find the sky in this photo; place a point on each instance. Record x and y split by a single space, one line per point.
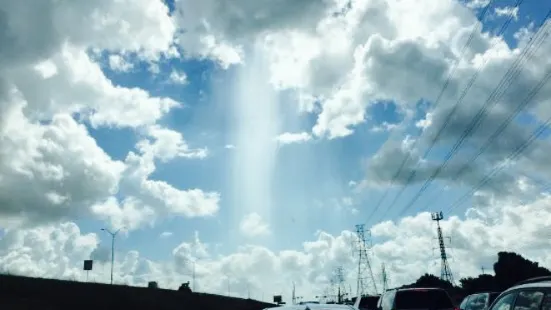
243 140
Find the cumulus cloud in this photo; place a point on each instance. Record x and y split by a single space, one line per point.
404 246
253 225
481 133
289 138
507 11
47 168
118 63
53 87
177 77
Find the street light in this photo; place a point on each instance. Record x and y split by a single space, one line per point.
113 235
193 275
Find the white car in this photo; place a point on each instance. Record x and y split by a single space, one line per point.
317 306
531 294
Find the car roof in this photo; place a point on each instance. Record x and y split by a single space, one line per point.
418 289
546 283
479 293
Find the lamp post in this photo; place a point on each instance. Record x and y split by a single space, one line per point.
193 275
113 235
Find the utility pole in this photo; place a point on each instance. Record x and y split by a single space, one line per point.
293 297
445 271
229 286
113 235
193 276
385 279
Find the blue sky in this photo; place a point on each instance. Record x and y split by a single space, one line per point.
309 179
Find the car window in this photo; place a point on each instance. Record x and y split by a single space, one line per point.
493 297
477 302
505 302
546 303
529 300
387 300
463 305
484 300
423 299
369 302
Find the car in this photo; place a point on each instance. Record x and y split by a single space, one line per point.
416 299
478 301
531 294
313 306
317 306
369 302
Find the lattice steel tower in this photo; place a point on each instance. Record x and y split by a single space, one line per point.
445 271
366 282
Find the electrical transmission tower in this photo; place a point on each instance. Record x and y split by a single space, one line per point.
385 278
338 280
445 271
366 282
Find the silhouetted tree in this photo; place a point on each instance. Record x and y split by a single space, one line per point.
511 268
429 280
482 283
184 288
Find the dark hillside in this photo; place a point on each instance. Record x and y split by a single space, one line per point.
48 294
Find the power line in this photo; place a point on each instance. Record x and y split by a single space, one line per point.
438 98
539 131
494 98
473 78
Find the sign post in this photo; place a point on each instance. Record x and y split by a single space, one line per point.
88 266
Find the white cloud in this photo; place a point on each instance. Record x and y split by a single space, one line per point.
290 138
477 4
403 246
47 168
167 144
166 234
253 225
507 11
216 30
53 251
51 84
118 63
178 77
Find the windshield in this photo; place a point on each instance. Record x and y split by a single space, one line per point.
492 297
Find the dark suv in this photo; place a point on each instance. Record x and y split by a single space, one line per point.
479 301
415 299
